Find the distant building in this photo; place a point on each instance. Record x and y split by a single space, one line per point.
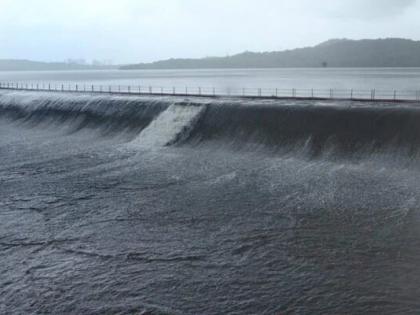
76 61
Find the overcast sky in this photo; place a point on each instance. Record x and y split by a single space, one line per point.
145 30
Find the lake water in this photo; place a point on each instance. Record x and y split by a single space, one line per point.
330 78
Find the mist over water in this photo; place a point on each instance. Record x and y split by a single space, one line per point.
199 206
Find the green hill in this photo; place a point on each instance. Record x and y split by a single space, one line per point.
390 52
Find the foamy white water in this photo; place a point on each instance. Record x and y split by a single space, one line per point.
175 122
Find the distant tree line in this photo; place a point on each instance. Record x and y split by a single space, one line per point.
28 65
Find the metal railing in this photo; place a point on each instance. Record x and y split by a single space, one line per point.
272 93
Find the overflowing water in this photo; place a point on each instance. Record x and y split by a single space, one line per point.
152 205
171 125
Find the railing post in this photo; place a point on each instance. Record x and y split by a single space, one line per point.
119 88
274 92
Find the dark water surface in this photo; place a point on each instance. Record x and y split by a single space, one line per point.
243 212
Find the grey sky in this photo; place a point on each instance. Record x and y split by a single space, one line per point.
146 30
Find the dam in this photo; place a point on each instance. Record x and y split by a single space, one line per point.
164 204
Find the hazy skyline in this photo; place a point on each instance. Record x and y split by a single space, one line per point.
127 31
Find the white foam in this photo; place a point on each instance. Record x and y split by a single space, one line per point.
176 121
